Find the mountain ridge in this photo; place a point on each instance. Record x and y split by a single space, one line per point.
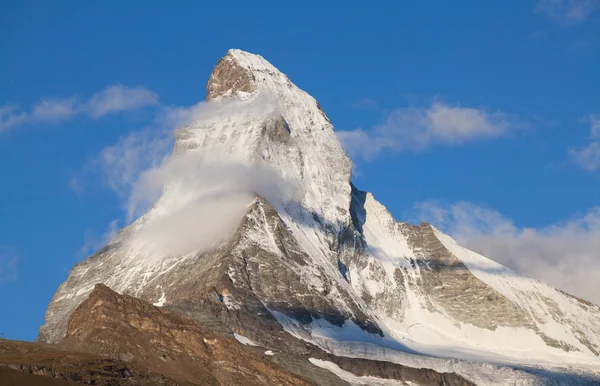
329 264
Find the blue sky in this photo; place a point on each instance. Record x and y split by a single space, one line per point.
477 116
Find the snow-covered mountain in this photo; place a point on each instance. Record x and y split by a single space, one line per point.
305 251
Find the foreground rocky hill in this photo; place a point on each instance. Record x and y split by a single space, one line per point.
260 229
116 339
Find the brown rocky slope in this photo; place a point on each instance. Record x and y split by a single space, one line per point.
115 339
124 327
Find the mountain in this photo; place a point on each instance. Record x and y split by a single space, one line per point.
262 230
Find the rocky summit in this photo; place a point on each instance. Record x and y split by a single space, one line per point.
315 279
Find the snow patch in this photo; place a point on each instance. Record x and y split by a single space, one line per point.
243 340
229 302
161 301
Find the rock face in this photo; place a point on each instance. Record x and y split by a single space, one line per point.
331 266
176 346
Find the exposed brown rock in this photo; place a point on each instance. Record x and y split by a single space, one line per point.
228 77
25 363
124 327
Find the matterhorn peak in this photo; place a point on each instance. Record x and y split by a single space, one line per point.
270 121
328 265
241 71
230 77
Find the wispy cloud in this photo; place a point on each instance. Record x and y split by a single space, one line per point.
588 157
418 128
565 255
8 264
118 98
113 99
122 163
567 11
56 109
206 191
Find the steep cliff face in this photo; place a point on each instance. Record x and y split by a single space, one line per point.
328 263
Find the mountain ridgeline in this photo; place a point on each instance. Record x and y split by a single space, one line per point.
326 271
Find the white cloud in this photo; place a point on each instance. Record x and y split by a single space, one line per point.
120 98
111 100
363 144
565 255
8 264
122 163
588 157
207 191
205 198
417 128
567 10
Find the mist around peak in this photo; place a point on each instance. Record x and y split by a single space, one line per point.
196 198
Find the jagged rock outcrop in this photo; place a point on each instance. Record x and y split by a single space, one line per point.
330 266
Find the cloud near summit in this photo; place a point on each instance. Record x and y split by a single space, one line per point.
201 193
412 128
